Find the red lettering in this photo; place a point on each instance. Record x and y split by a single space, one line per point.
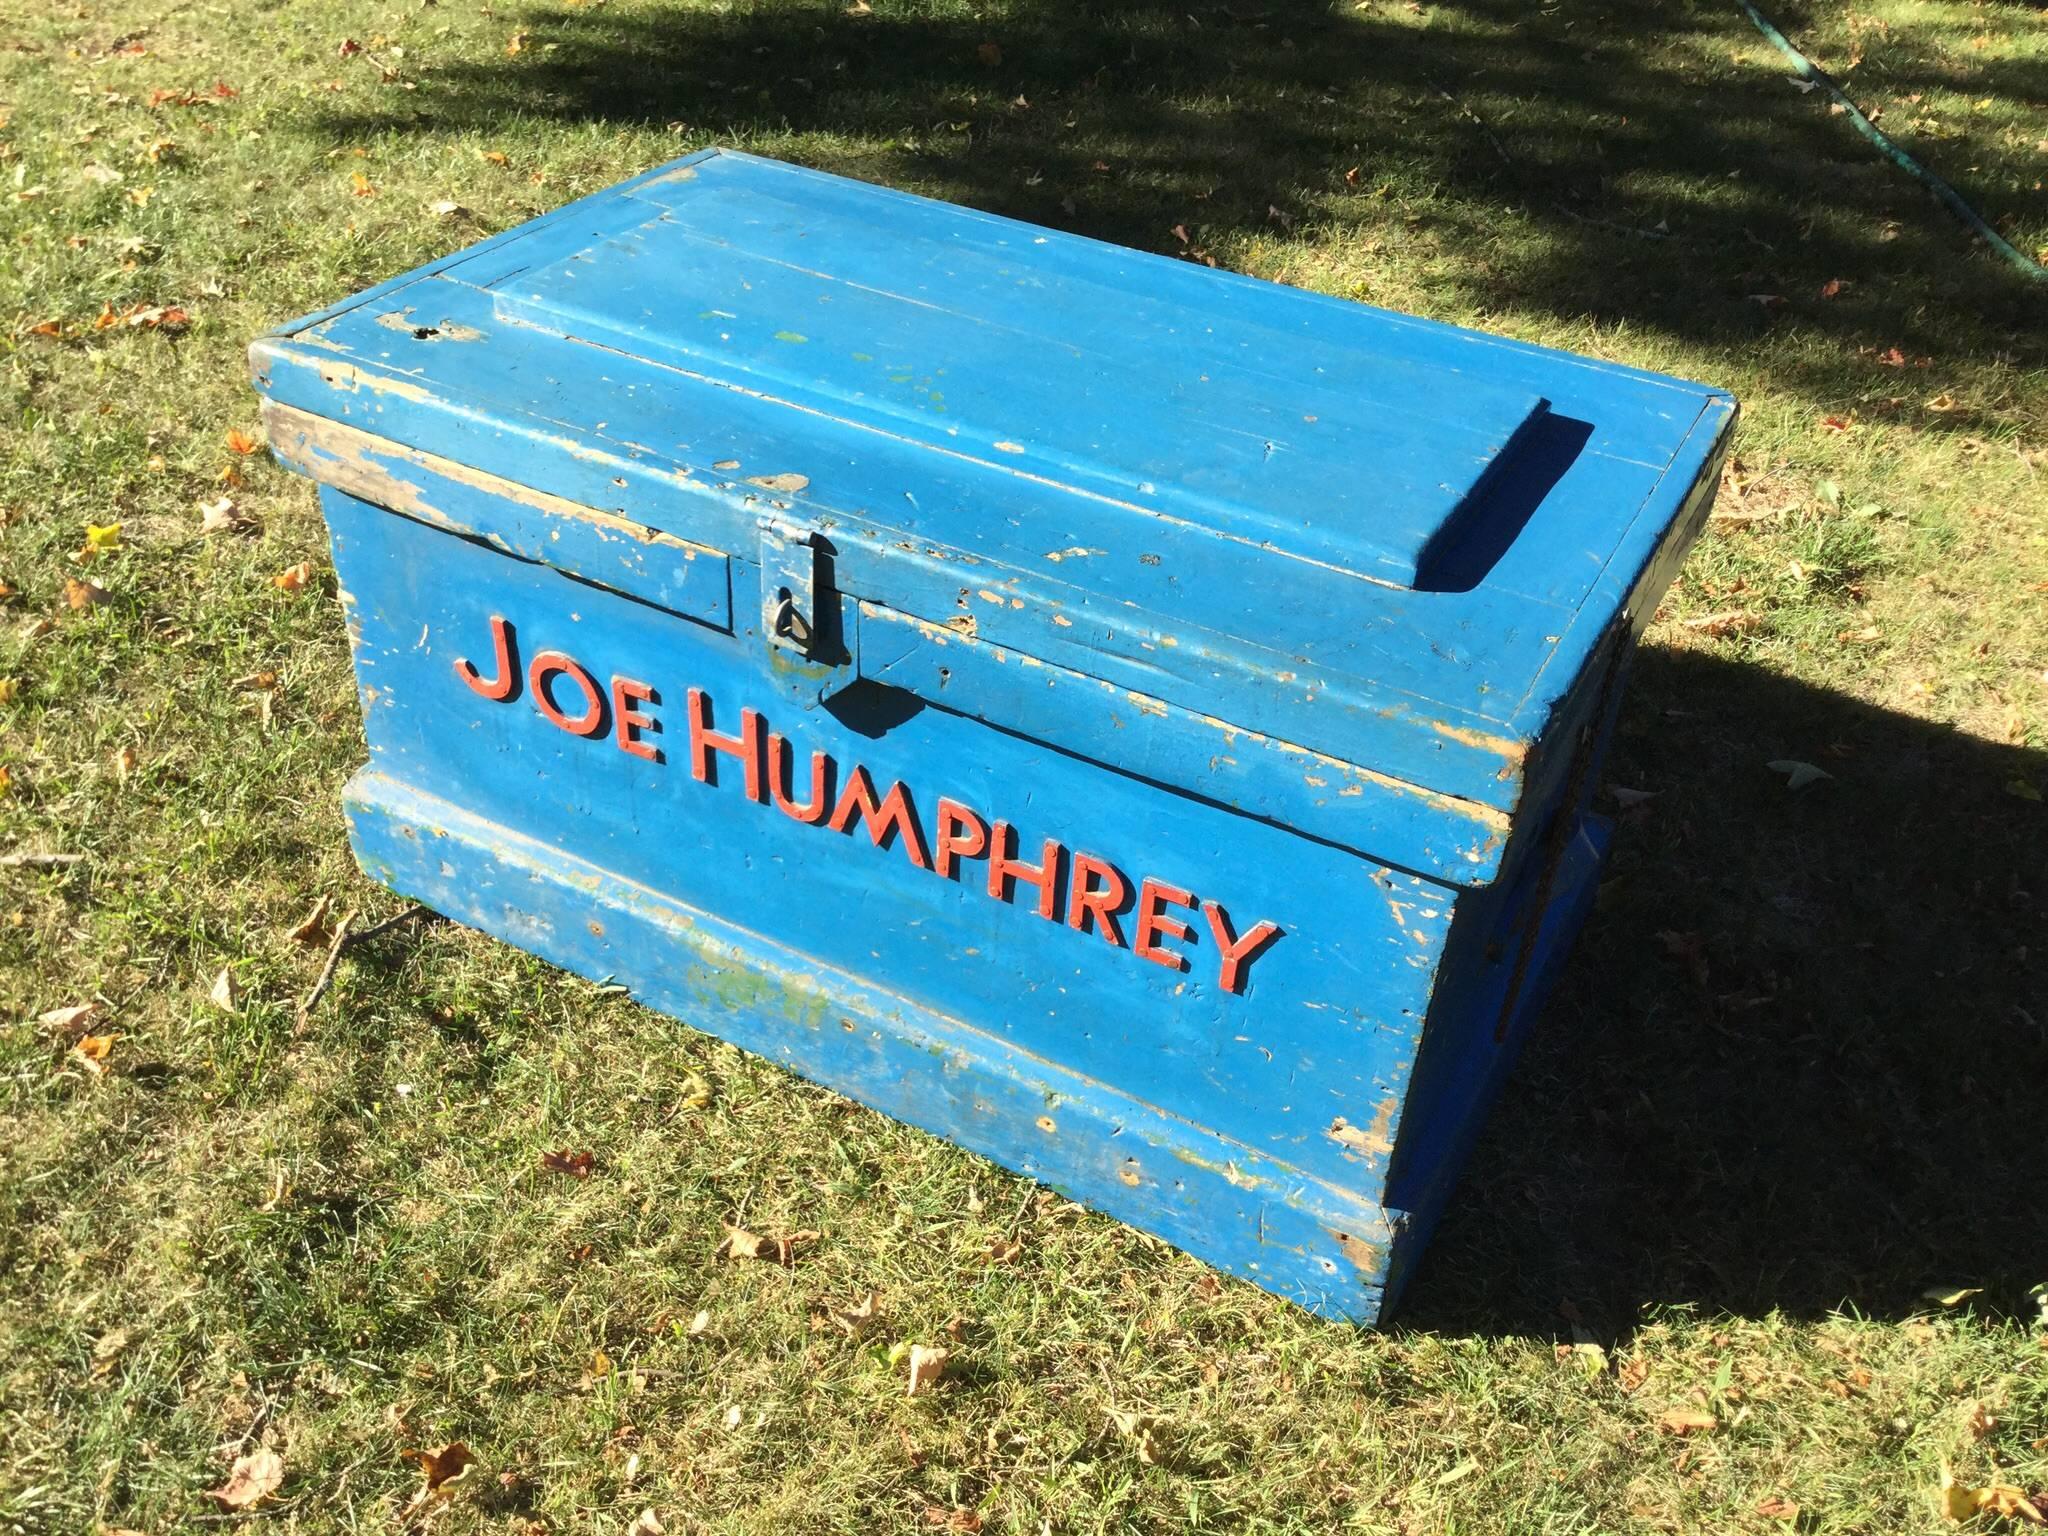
1154 921
1088 901
881 817
631 724
704 741
1237 952
812 811
1003 867
962 834
505 650
549 665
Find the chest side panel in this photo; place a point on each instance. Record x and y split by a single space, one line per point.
1224 970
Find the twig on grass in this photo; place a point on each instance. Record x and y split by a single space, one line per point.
326 979
40 860
344 940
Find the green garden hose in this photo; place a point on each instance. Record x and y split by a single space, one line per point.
1950 198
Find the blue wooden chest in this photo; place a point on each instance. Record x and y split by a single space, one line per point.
1133 721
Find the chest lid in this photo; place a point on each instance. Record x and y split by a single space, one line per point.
1383 540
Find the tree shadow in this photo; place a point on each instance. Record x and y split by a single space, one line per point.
1799 1060
1618 168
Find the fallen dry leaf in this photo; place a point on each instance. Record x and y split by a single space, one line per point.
1797 774
739 1243
443 1469
312 928
575 1164
647 1523
100 538
1777 1508
990 54
241 442
252 1479
855 1320
1951 1295
71 1020
1686 1421
1734 621
1978 1421
939 1518
92 1052
696 1091
293 579
84 594
226 994
927 1366
1141 1430
359 185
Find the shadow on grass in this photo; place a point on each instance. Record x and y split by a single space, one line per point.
1800 1058
1617 167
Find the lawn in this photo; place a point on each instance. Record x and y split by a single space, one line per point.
1755 1241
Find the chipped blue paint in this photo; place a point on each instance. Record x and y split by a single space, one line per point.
1308 613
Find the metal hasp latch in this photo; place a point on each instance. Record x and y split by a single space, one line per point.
806 621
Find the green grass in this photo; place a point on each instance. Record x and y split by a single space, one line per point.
1793 1079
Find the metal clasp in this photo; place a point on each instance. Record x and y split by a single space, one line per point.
811 627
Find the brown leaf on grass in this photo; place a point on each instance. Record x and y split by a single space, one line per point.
1005 1250
516 44
349 48
84 594
1632 1373
856 1319
576 1164
241 442
359 185
927 1367
939 1518
1776 1507
1141 1430
252 1479
1686 1421
1734 621
738 1243
990 54
1978 1421
647 1523
443 1469
294 579
312 928
92 1052
106 1351
71 1020
1832 288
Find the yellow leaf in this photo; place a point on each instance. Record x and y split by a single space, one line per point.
293 579
600 1365
517 43
696 1092
1951 1295
495 157
92 1052
252 1479
241 442
359 184
99 537
9 688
